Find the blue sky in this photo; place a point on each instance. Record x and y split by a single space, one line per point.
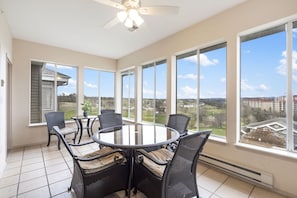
263 73
212 83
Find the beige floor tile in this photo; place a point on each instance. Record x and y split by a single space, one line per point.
32 175
53 162
52 155
211 180
40 192
215 196
32 184
234 188
9 191
262 193
203 192
60 187
201 169
70 194
31 155
32 167
12 172
8 181
56 168
59 176
32 161
15 164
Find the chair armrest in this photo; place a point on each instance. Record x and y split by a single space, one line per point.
82 144
101 156
152 158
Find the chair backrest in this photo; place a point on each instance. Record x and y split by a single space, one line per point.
61 136
54 119
178 122
110 119
180 174
107 111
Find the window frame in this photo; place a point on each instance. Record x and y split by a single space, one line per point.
258 32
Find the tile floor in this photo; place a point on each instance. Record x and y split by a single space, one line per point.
41 171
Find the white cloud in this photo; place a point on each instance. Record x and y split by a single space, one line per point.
282 68
148 92
72 82
90 85
262 87
245 86
188 76
204 60
189 92
223 79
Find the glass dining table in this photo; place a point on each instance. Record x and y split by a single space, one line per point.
135 136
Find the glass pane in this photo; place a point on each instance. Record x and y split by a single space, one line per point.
42 90
148 94
132 96
67 90
160 103
186 88
128 97
125 95
91 89
212 103
263 90
294 64
107 90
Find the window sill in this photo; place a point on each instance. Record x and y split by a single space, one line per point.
273 151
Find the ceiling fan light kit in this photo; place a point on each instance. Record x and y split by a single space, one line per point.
130 18
131 10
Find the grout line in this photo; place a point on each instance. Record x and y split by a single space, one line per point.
19 180
46 175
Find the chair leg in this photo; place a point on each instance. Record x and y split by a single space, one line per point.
59 142
49 139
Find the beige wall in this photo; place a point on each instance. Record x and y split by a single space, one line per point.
24 51
225 27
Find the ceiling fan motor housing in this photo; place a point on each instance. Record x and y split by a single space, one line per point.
131 3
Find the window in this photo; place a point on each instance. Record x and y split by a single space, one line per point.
294 87
99 89
53 88
154 92
268 90
203 99
128 95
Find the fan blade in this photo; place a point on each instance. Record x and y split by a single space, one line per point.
111 3
111 23
158 10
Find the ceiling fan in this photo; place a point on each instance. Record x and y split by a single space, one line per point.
131 11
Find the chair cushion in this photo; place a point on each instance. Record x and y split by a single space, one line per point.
65 130
68 130
161 155
101 163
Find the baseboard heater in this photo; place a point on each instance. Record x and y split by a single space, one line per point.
258 177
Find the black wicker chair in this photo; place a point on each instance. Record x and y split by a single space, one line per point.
180 123
110 119
99 173
107 111
57 119
162 173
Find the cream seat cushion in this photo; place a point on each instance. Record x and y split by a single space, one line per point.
161 155
101 163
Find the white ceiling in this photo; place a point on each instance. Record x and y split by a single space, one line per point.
78 24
